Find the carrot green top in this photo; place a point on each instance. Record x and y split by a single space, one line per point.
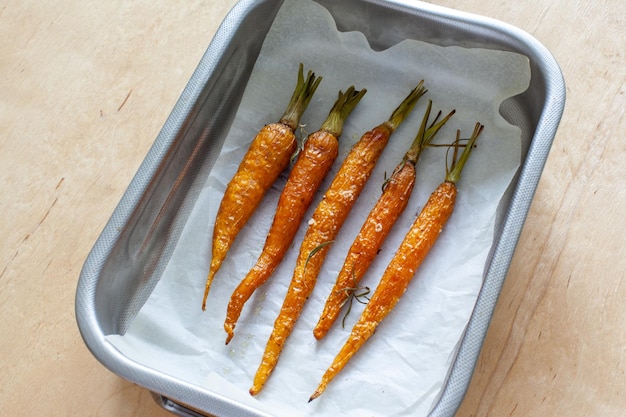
453 173
346 102
400 113
300 99
425 135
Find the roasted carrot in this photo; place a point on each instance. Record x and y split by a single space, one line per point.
327 218
314 162
401 269
396 192
268 155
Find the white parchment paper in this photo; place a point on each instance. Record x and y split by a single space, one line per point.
400 371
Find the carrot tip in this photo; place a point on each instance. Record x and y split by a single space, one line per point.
319 332
229 331
207 288
315 395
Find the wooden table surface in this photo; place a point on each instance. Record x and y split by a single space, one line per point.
87 85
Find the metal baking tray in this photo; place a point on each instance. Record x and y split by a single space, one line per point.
126 261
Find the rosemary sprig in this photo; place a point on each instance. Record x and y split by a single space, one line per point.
315 250
353 295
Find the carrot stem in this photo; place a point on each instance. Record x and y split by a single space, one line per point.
346 102
425 135
400 113
453 174
305 88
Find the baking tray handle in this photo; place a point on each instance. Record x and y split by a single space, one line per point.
177 409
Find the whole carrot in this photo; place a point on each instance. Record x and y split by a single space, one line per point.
268 155
328 217
382 217
401 269
314 161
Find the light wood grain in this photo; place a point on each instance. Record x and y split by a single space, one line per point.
85 88
557 343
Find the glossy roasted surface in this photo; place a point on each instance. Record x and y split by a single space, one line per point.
87 86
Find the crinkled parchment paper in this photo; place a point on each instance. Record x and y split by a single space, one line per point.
401 370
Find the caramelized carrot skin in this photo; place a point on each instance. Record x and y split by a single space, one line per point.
416 245
412 252
268 156
361 254
399 273
352 176
320 151
327 219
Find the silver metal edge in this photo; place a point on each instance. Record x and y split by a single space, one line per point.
90 330
465 359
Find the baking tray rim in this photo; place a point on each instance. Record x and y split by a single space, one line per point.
466 356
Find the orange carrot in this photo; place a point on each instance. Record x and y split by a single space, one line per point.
314 161
328 217
269 154
401 269
382 217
